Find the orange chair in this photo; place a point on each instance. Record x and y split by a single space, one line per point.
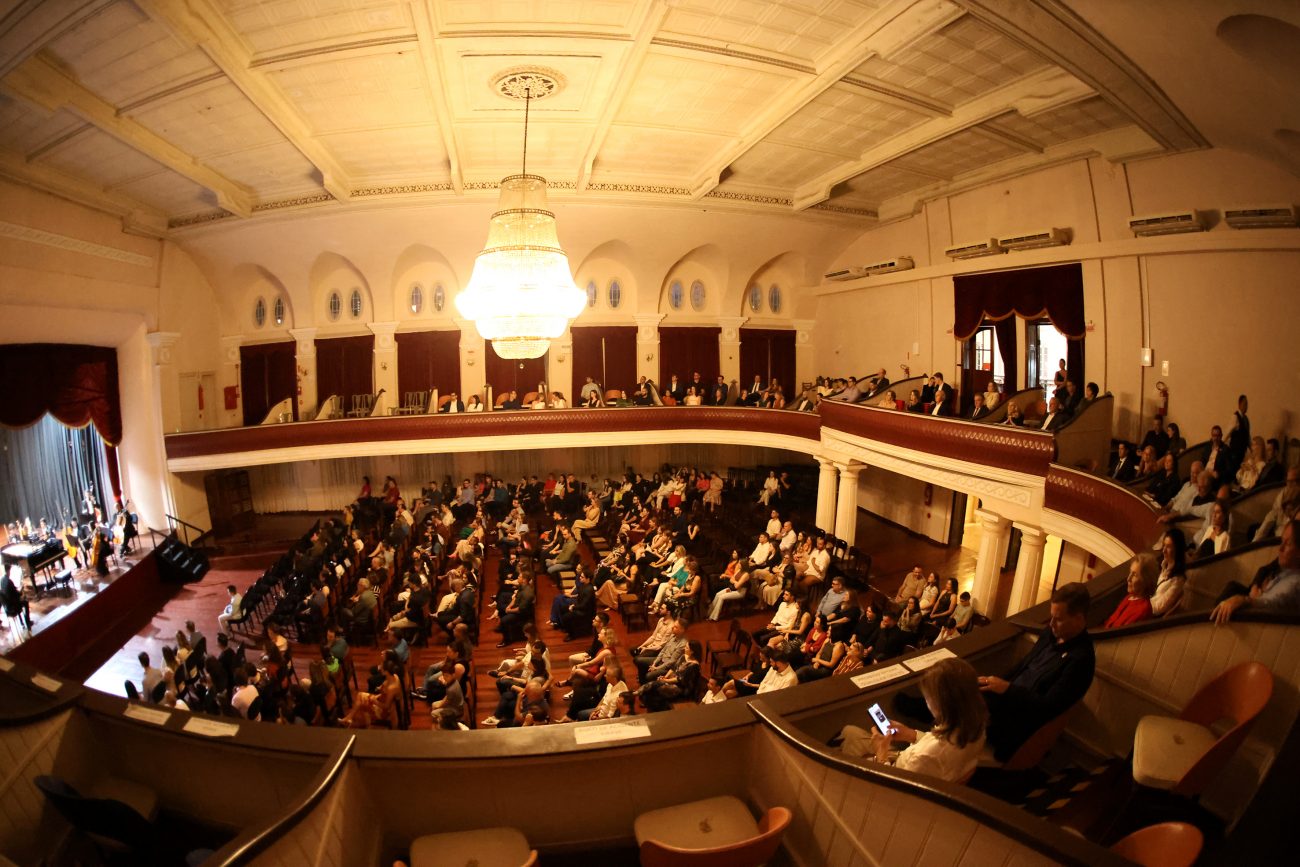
1033 751
715 832
1183 755
1169 844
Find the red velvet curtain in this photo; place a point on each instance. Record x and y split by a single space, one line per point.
684 351
1008 348
522 375
345 366
1055 292
267 375
606 353
427 360
769 353
75 384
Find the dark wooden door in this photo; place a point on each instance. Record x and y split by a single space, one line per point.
606 353
769 354
267 375
345 366
685 351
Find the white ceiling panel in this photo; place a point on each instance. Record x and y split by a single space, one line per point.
271 27
409 151
101 159
170 193
632 152
957 154
800 31
845 119
121 55
25 127
676 92
358 92
270 171
209 120
781 166
1077 120
495 150
554 15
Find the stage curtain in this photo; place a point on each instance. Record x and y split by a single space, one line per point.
685 351
44 468
427 360
1031 293
75 384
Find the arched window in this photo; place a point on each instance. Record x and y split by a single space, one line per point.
593 293
335 304
277 311
755 298
698 295
615 293
774 298
675 295
417 298
354 304
259 312
439 298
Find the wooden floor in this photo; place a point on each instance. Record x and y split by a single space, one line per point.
894 552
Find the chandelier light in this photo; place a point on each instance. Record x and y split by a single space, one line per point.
521 294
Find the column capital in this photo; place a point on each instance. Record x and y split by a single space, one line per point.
384 335
849 468
730 326
230 348
306 338
991 520
1030 535
825 463
803 329
160 345
647 327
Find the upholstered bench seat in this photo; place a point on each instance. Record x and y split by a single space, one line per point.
705 824
1165 748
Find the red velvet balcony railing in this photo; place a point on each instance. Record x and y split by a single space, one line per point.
1001 446
1107 506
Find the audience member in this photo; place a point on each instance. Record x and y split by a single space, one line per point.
1136 604
1276 586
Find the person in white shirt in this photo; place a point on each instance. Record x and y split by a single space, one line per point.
774 525
951 749
718 691
819 562
474 405
788 537
1286 505
762 552
913 584
152 677
244 696
233 610
780 675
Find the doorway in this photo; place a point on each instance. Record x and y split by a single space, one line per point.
514 374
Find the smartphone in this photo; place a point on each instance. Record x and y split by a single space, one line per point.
881 719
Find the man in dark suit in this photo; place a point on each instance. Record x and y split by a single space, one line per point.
511 401
754 394
980 409
1217 458
1124 467
676 389
1273 471
1073 401
718 395
927 389
942 397
454 405
1055 417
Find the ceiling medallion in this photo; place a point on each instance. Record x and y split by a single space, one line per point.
522 82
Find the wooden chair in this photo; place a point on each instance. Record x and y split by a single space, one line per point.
1183 755
486 847
362 404
720 645
1033 751
715 832
736 658
1169 844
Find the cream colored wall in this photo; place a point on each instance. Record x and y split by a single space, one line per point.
1220 317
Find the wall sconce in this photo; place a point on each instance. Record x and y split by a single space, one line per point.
469 357
559 359
383 365
649 356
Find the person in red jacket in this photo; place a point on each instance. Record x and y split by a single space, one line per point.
1136 604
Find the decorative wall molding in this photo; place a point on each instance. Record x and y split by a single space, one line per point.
74 245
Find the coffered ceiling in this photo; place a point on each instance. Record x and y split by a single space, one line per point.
178 113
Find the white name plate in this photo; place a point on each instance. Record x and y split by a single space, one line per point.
921 663
622 731
877 676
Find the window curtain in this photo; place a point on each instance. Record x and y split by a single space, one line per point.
346 366
427 360
684 350
769 353
1008 349
1031 293
267 375
44 467
606 353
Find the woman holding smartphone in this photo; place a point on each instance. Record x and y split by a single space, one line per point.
948 751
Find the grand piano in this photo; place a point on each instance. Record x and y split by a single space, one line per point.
32 558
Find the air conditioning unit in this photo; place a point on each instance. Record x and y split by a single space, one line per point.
969 251
1280 217
1030 240
902 263
843 274
1166 224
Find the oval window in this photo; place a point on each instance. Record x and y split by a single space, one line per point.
592 293
774 298
675 295
259 312
417 298
698 295
755 298
278 311
615 293
335 304
439 297
354 304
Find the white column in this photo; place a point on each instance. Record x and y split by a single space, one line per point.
988 567
166 379
386 365
846 503
229 378
1029 569
473 352
729 348
305 362
647 349
826 495
805 364
559 366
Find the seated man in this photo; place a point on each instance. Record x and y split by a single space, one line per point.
980 409
650 667
913 584
1276 586
1055 416
519 611
566 557
1052 678
1286 506
1124 467
1164 485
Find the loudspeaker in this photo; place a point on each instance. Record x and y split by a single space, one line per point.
179 563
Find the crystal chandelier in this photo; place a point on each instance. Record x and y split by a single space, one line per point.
521 294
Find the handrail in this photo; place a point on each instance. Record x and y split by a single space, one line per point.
253 842
173 520
24 703
1024 828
